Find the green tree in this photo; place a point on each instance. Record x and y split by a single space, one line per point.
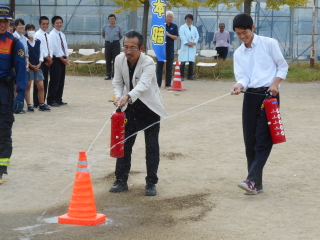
270 4
131 5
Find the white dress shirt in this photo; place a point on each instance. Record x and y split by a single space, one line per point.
260 65
45 43
56 43
22 39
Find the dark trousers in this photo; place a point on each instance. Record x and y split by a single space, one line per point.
151 136
45 71
56 84
170 58
190 69
6 122
257 138
223 52
112 49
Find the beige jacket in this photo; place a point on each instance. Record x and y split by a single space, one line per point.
144 83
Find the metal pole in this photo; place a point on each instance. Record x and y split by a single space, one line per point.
271 23
292 34
40 8
13 7
258 17
313 32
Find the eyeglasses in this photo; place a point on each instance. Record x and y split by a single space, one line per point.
126 49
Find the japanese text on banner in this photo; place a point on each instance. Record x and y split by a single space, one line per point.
158 29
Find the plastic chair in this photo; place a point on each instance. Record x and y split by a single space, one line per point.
207 54
84 52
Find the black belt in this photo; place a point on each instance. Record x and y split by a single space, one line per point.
259 89
112 41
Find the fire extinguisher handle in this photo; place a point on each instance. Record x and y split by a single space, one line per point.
269 94
118 109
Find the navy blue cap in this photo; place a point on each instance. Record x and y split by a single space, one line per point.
5 12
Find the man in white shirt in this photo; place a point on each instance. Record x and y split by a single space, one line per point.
222 39
259 66
47 55
58 67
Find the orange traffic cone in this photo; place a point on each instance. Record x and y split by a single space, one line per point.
177 84
82 209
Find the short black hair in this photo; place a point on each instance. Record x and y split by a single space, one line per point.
188 16
28 27
43 18
19 20
134 33
243 21
112 15
55 18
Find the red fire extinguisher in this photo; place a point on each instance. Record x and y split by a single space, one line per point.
274 120
118 121
273 116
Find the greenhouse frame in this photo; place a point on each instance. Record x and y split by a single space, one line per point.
84 19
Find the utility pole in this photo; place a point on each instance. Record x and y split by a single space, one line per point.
312 55
13 8
40 8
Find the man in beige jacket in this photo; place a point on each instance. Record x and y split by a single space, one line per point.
137 92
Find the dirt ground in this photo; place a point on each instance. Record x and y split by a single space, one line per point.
202 161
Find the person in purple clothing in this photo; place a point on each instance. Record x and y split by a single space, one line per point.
221 40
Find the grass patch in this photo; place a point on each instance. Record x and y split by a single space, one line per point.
302 72
298 71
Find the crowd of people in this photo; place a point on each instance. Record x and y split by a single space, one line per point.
28 56
189 36
136 84
44 52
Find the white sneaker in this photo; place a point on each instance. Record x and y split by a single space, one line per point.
248 187
258 191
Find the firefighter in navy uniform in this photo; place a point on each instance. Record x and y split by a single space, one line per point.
12 55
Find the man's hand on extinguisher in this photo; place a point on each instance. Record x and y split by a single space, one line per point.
274 88
120 102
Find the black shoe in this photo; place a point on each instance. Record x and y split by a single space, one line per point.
119 186
30 109
151 189
168 86
192 78
1 181
182 78
44 107
107 78
63 103
54 104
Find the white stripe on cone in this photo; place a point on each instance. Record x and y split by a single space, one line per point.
177 76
